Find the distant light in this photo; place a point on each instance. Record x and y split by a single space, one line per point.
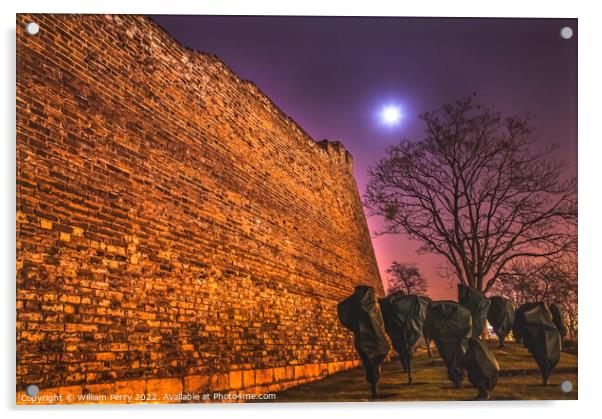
391 115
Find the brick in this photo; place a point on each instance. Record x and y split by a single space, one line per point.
248 378
279 374
45 224
100 390
74 327
105 356
196 384
235 379
130 387
73 299
290 372
264 376
118 347
32 336
300 371
163 386
219 382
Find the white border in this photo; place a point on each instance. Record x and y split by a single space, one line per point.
590 231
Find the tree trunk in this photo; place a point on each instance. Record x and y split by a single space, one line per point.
485 335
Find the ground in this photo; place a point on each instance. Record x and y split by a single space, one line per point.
519 380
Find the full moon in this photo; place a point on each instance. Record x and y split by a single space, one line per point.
391 115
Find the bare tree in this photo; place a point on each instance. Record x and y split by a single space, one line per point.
406 278
553 282
475 190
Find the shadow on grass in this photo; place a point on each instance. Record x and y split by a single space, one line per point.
519 380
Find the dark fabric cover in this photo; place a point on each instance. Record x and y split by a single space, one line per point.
558 320
360 314
481 366
449 325
425 336
533 323
477 304
501 316
404 317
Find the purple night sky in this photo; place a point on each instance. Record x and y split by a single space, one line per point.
333 75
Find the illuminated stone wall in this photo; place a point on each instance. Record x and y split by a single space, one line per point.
175 230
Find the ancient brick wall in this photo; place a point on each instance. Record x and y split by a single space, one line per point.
175 230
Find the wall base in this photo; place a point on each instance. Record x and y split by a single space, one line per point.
235 386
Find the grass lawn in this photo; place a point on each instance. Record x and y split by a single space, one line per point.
519 380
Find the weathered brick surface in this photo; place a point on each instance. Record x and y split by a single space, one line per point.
174 228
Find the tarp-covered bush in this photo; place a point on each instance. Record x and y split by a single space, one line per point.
477 304
361 314
404 318
481 366
501 317
449 324
535 327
